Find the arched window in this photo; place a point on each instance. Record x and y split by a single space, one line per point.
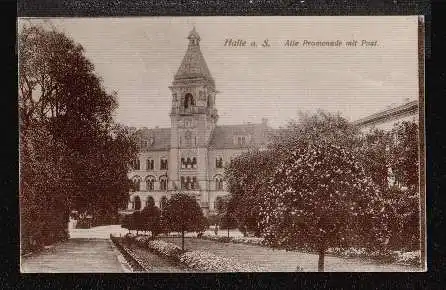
137 203
194 162
150 182
188 101
163 183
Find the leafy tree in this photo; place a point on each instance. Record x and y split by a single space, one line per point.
151 216
320 197
182 213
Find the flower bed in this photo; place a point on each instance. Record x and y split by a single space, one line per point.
167 249
209 262
400 257
199 260
238 240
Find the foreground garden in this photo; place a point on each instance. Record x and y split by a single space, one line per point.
164 254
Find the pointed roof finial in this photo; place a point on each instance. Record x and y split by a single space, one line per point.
193 34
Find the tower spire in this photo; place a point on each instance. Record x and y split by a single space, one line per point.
193 64
194 38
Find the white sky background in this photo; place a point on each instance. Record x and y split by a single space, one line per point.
138 58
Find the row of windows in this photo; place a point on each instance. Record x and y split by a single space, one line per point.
150 164
186 163
188 182
150 183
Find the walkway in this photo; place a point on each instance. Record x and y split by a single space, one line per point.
78 255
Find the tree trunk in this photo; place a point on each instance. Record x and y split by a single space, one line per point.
320 265
228 232
182 240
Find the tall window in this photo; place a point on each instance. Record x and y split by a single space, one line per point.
218 183
188 101
163 164
194 162
136 164
219 162
136 182
194 183
150 182
163 183
150 164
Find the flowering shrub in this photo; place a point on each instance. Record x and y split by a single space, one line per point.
238 240
208 262
167 249
142 240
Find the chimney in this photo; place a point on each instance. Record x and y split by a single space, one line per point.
265 121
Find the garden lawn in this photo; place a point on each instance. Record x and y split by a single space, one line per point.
283 261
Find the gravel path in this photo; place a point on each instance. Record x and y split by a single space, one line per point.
283 261
74 256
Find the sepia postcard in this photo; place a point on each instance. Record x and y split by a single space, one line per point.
222 144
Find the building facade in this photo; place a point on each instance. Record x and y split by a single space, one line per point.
190 156
386 119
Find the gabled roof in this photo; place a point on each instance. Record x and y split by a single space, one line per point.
193 64
223 136
161 139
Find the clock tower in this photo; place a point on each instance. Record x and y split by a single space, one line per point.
193 118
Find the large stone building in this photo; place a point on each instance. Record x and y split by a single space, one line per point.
190 155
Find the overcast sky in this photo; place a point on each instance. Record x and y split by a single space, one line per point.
138 58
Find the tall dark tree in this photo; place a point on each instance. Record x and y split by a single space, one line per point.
63 102
182 213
